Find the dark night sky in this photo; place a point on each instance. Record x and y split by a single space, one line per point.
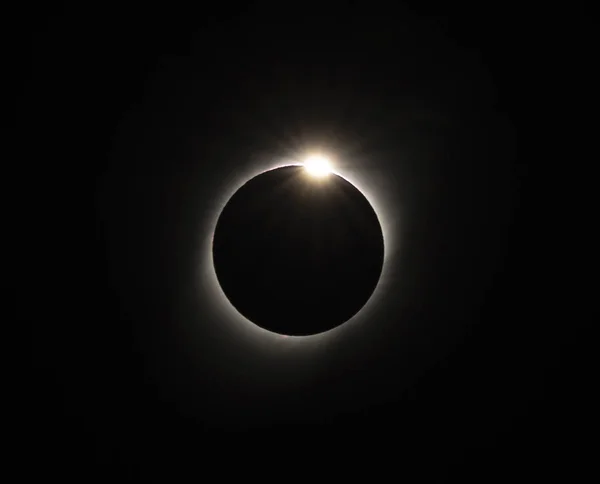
142 122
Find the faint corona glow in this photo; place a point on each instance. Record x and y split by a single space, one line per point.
373 184
317 166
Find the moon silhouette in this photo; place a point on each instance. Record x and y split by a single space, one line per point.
297 255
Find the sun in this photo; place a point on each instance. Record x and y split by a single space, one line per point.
317 166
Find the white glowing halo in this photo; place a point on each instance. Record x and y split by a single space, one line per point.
358 177
318 166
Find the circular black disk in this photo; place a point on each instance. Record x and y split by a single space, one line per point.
298 255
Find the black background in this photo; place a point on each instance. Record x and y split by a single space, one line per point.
136 120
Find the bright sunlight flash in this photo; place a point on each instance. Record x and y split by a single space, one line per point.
317 166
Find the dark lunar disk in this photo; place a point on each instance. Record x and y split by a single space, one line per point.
295 254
